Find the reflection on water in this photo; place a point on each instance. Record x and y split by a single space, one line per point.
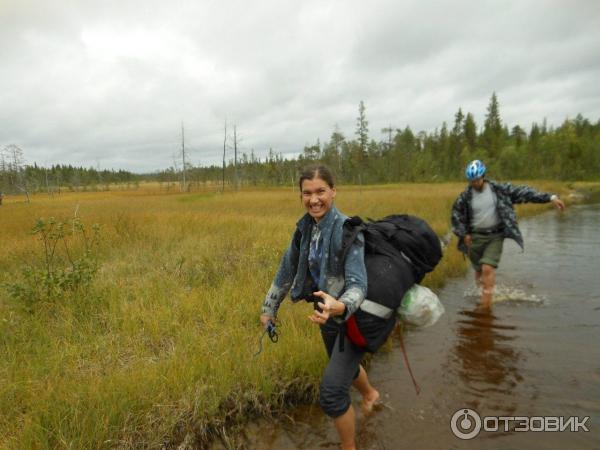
487 362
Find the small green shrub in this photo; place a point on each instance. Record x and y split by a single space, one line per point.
68 262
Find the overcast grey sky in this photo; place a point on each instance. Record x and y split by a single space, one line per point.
108 83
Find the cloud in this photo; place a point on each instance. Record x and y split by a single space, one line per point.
110 83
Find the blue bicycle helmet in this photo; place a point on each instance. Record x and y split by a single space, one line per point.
475 169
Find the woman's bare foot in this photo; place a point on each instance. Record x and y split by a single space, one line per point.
369 401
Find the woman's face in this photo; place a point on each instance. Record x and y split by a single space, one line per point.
317 197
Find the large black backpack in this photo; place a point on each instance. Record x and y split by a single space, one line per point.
399 251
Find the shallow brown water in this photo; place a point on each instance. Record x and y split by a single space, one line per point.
536 354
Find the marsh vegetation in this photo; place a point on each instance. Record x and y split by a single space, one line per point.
154 339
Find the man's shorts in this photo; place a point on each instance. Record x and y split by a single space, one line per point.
485 249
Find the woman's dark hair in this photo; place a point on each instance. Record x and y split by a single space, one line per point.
317 171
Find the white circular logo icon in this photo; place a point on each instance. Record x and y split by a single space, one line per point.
465 424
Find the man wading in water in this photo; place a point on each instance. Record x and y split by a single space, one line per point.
483 216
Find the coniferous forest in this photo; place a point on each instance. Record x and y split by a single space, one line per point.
570 151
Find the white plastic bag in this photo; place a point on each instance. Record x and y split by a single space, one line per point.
420 307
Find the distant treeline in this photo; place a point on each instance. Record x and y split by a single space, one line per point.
570 151
17 177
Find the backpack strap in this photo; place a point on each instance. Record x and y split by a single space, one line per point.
381 311
352 227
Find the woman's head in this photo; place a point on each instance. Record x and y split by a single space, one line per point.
317 190
317 171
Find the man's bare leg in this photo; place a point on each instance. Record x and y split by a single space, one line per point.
488 281
478 278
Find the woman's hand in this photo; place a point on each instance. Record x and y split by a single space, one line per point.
330 307
265 319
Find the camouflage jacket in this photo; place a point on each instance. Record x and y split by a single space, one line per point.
506 196
344 279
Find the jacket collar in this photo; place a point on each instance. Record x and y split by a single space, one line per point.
324 223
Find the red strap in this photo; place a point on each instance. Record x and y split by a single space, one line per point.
353 333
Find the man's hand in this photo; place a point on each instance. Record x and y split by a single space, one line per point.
558 203
330 307
468 240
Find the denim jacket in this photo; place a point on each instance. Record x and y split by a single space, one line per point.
345 280
506 196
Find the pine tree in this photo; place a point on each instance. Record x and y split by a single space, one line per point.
456 143
470 131
362 130
458 123
519 136
492 128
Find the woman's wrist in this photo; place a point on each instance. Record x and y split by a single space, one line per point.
339 308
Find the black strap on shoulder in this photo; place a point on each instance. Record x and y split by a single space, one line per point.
352 227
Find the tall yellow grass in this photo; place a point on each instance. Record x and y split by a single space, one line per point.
162 345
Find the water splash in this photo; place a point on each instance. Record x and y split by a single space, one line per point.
506 294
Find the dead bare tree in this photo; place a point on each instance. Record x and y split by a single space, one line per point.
183 185
235 174
3 175
236 142
16 168
224 154
3 172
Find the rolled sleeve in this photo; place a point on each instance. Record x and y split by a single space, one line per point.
283 280
274 297
355 277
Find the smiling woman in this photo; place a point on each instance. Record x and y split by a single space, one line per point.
317 196
314 270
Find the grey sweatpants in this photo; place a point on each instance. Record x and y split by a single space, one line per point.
342 369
